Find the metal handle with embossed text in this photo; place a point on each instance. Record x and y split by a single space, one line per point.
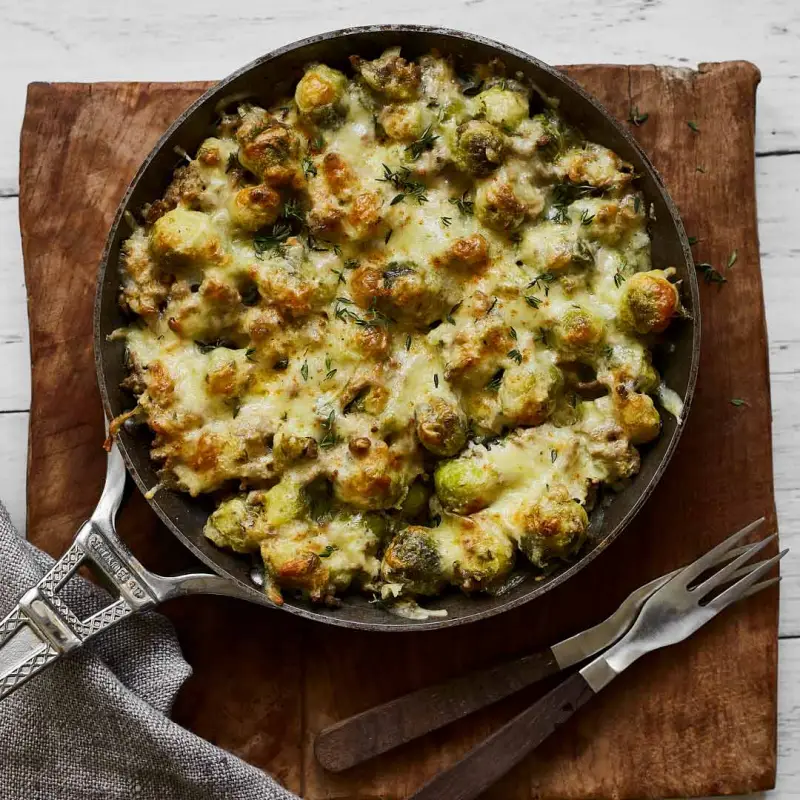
42 627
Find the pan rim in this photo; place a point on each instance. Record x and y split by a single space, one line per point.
328 616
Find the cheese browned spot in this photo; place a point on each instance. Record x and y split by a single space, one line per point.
382 283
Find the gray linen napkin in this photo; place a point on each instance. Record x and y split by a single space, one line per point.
95 725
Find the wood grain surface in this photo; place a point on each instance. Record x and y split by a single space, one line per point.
698 719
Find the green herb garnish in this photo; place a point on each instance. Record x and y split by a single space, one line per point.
693 125
329 439
636 117
402 182
532 301
419 146
496 380
272 238
309 170
465 206
711 275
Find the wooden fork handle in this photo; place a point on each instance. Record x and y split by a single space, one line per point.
487 763
384 727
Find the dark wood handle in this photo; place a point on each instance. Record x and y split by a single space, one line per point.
384 727
488 762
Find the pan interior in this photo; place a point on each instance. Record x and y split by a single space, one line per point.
273 76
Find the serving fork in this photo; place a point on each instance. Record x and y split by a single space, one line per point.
663 612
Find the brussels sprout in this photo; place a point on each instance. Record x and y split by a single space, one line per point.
649 301
415 506
402 121
372 481
638 415
412 559
287 448
254 207
441 427
225 376
270 150
466 485
403 291
498 207
234 524
554 527
528 393
481 553
469 251
631 364
578 332
319 91
389 75
182 238
480 147
503 107
283 503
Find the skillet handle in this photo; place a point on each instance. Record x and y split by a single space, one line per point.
42 627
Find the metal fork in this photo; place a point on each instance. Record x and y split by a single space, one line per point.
671 614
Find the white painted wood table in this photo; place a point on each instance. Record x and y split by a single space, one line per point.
198 39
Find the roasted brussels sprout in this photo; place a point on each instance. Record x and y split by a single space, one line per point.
402 290
631 364
550 248
611 222
552 527
288 448
269 149
471 252
183 238
254 207
498 207
480 147
441 426
319 91
236 524
415 506
390 75
649 302
372 481
528 393
480 552
402 121
503 107
283 503
468 484
637 414
412 559
578 332
226 377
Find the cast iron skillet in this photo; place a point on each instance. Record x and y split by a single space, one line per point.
273 76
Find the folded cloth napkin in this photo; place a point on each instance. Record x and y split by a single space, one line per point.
95 724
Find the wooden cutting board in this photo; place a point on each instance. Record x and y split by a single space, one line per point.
698 719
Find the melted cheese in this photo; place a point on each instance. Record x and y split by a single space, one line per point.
393 279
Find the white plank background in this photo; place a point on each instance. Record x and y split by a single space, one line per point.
204 39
